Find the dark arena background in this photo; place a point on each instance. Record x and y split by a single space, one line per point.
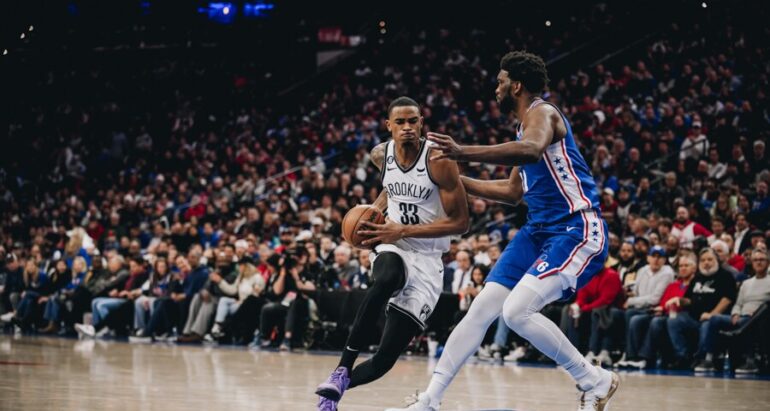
174 175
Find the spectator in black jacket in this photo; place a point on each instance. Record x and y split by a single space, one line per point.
710 293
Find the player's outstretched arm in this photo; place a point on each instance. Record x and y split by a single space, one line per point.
537 135
504 191
453 199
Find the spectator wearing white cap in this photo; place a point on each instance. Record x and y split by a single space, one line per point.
696 145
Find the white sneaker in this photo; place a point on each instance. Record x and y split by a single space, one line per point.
622 362
484 353
598 398
515 355
641 364
86 330
6 318
604 359
419 402
591 357
104 332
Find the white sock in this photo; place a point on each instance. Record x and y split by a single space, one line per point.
521 312
466 338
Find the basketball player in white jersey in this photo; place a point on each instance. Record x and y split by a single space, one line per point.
426 203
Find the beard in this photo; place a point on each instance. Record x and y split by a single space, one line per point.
710 271
507 104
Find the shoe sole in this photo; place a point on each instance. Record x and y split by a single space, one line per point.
604 403
329 394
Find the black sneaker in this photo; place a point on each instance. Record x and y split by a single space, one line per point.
749 367
705 366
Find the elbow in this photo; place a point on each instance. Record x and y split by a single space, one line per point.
463 226
531 155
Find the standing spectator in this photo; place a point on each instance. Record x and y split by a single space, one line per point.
710 293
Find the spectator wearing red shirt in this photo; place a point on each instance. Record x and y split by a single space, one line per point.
687 230
604 291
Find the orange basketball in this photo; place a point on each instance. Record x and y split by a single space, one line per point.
353 222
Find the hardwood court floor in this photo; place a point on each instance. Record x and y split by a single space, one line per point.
63 374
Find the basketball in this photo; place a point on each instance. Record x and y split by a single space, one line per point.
353 222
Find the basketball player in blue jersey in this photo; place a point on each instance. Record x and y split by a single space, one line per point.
562 246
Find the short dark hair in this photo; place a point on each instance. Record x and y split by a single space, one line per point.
402 102
527 68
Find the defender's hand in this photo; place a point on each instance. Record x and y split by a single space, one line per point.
446 145
387 233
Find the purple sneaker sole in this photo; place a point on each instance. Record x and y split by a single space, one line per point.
328 391
325 404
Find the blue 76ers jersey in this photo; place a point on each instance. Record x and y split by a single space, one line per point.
560 184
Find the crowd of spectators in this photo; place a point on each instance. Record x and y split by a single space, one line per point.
168 219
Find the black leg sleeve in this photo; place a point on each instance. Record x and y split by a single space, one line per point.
399 331
389 277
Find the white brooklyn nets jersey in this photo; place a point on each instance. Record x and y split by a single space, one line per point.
413 198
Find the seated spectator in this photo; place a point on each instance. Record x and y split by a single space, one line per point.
723 252
102 307
157 286
63 283
753 292
285 312
687 230
482 250
467 294
363 277
656 338
35 288
268 296
97 283
736 260
247 283
202 303
652 281
169 310
598 305
461 277
628 264
11 287
710 293
344 268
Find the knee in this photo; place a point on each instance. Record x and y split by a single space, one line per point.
388 271
515 315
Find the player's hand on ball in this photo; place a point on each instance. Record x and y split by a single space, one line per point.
446 145
387 233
